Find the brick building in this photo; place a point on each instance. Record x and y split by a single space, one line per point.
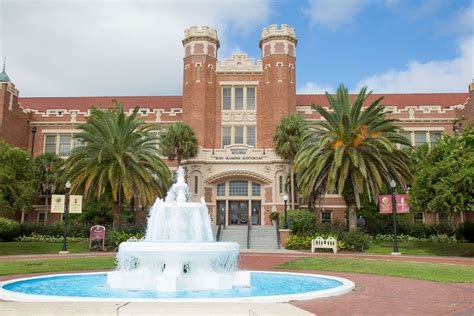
233 106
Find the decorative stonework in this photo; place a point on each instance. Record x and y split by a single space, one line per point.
274 32
239 63
241 117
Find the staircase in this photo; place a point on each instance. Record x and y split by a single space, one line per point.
263 237
237 234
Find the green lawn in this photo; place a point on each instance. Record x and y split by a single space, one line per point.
438 272
55 265
38 247
417 248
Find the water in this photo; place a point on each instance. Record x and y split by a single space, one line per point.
95 286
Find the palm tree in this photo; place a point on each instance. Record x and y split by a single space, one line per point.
119 154
288 141
178 142
48 173
353 149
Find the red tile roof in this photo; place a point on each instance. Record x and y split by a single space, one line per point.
85 103
399 100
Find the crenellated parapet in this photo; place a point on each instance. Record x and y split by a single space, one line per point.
239 63
274 37
200 41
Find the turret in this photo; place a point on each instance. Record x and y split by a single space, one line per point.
278 47
199 83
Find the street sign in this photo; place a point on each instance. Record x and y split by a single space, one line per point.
75 204
57 203
402 204
385 204
97 232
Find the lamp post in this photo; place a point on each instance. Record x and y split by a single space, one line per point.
393 186
33 136
285 199
66 213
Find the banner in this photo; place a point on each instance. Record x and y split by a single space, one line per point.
385 204
57 203
402 203
75 204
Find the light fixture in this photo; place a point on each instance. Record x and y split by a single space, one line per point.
68 185
393 184
285 198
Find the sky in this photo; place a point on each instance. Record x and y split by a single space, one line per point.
117 48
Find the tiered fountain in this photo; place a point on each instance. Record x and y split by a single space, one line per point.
178 252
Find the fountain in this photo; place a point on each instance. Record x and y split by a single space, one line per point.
178 252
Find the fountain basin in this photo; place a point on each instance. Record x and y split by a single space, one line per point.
178 266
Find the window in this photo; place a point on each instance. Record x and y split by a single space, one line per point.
280 184
238 188
198 72
251 136
226 136
255 189
418 217
420 138
250 98
434 137
41 218
239 135
64 145
186 74
209 74
291 73
226 98
221 189
326 217
239 99
78 142
50 144
195 184
267 73
280 72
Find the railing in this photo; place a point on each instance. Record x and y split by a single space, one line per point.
218 234
277 228
248 234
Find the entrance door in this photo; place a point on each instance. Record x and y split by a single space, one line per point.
238 213
220 212
256 213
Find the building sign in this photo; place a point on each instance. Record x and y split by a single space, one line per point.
57 203
97 232
385 204
75 204
239 154
402 203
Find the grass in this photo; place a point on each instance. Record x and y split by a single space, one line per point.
417 248
38 247
55 265
438 272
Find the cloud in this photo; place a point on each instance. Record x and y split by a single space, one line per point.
75 48
334 13
314 88
435 76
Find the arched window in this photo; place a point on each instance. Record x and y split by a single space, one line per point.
196 185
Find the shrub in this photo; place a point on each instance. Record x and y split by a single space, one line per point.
115 238
466 231
301 222
352 241
9 229
355 241
55 229
46 238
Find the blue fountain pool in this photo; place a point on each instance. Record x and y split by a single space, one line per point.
94 286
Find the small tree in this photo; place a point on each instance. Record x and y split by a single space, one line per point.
48 174
17 180
178 142
444 177
288 140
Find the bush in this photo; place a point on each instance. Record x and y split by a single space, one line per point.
351 241
115 238
466 231
301 222
355 241
55 229
9 229
46 238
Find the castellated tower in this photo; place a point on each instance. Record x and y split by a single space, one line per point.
278 47
199 82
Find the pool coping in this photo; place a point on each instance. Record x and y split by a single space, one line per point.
346 287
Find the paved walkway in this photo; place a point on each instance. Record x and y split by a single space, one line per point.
374 295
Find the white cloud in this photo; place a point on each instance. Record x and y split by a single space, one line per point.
314 88
334 13
78 48
435 76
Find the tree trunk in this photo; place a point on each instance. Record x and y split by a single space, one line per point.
292 185
47 210
116 215
352 214
22 220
